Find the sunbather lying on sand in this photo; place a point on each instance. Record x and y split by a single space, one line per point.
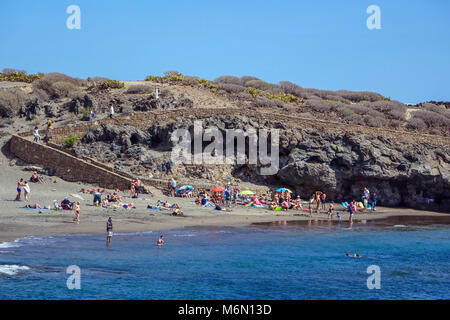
33 206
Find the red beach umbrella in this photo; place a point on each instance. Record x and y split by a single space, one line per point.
218 189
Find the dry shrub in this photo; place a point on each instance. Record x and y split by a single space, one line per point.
11 101
262 102
245 79
10 71
139 89
391 109
172 73
58 85
228 80
360 96
431 119
318 105
230 87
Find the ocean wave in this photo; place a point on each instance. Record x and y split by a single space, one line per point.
12 269
12 244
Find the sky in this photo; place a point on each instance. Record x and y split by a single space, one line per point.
323 44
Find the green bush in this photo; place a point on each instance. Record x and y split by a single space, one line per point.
20 77
113 84
207 84
69 142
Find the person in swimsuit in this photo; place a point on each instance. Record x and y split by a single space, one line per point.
109 230
33 206
323 197
160 241
20 184
76 207
330 210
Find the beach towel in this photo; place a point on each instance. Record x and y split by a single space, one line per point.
33 209
155 208
345 204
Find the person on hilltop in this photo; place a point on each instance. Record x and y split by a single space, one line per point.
37 137
168 167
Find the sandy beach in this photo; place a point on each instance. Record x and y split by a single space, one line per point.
16 222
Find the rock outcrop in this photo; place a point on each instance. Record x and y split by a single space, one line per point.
409 174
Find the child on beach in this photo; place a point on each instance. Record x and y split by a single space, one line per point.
76 207
330 210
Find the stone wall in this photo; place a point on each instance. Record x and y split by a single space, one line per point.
65 165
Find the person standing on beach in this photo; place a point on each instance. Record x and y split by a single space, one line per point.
26 190
76 207
109 230
323 198
111 111
350 210
227 197
373 201
366 195
137 186
172 186
19 189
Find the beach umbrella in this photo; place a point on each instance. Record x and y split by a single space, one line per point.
218 189
247 192
283 190
187 187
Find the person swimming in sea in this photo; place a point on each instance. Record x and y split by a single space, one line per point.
355 255
160 241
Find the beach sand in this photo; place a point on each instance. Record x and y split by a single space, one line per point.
17 223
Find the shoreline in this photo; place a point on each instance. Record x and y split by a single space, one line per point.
12 232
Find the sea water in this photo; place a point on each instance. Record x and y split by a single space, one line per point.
268 261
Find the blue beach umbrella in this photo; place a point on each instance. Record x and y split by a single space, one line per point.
185 188
283 190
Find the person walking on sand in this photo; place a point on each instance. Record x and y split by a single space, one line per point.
37 137
19 189
76 207
109 230
26 190
160 241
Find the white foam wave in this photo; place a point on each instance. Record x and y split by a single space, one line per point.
12 244
12 269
